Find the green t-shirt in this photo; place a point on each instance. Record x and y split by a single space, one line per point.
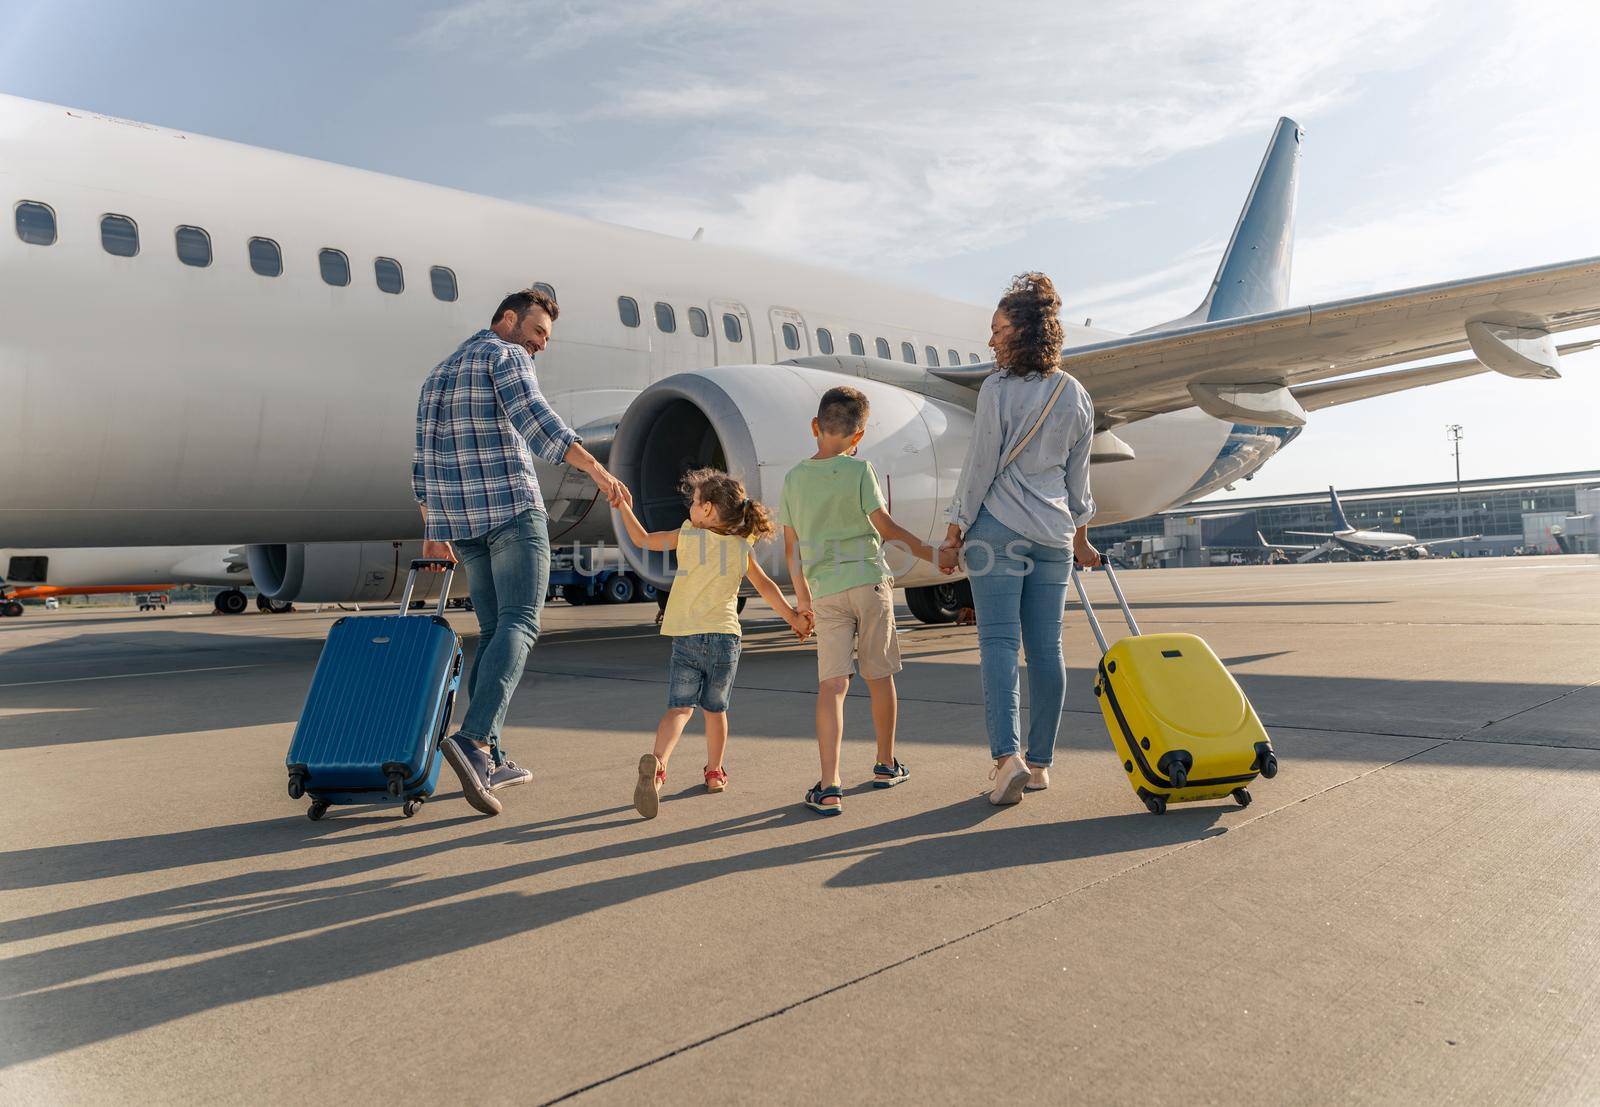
829 504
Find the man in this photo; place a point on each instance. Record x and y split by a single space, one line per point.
480 419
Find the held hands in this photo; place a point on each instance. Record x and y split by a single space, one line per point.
801 622
950 551
615 492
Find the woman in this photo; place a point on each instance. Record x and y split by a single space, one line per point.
1016 522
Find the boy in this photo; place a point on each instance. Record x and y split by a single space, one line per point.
834 526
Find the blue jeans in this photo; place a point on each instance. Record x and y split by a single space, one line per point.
701 671
1019 588
508 570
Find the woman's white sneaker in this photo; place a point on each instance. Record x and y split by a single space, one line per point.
1010 778
1038 778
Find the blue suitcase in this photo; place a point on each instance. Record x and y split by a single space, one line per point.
379 705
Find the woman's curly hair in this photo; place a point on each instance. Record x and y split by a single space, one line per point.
1034 308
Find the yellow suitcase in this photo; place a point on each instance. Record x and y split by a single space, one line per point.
1181 725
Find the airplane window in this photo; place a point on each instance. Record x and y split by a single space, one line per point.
883 347
389 275
444 284
666 321
731 327
119 235
548 289
698 323
933 357
36 224
335 267
628 309
824 340
265 257
857 347
972 359
908 352
955 358
791 337
194 246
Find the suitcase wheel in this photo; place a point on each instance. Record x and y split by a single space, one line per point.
1269 766
1156 804
317 809
412 806
295 788
1241 796
1180 775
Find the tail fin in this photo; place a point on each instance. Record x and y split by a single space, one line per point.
1254 274
1339 521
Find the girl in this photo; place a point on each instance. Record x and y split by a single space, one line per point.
702 617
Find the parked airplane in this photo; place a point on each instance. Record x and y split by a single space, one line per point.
1369 543
38 573
293 307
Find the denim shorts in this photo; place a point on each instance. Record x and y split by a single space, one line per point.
701 671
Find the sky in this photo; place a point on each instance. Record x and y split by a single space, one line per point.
947 146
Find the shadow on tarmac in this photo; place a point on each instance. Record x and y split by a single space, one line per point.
322 932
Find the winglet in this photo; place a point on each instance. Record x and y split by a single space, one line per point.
1339 521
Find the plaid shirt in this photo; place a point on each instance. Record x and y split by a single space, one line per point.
479 412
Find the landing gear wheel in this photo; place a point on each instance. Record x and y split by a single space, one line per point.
317 809
1156 804
11 610
647 591
619 589
411 807
936 604
232 602
1241 796
1269 766
575 594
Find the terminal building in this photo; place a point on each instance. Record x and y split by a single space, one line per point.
1550 513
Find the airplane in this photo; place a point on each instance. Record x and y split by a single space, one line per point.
293 308
41 573
1368 543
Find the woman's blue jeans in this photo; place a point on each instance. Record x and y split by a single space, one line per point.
508 570
1019 588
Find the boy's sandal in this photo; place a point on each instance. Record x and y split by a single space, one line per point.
817 793
887 776
716 779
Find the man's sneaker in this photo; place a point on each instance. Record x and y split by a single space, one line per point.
647 790
472 766
887 776
508 774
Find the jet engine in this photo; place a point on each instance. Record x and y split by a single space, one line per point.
340 572
754 421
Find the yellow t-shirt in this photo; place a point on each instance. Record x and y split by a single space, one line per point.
705 591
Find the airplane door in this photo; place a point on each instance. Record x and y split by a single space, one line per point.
730 324
789 337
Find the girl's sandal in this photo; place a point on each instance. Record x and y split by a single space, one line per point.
716 779
816 794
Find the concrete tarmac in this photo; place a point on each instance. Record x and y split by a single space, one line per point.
1407 914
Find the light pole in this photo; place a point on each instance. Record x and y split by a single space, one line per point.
1454 431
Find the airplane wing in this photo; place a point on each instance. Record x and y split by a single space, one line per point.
1243 368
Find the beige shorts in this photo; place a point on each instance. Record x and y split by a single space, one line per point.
857 623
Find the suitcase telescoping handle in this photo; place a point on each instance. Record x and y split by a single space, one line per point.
411 582
1088 608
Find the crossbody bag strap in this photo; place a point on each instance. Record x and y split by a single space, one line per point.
1061 386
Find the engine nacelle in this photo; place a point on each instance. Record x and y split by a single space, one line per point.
341 572
754 421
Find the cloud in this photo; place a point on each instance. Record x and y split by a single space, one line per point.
895 133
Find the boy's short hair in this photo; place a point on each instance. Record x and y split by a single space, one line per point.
843 411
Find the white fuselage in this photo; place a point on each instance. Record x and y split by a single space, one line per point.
1374 539
145 401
